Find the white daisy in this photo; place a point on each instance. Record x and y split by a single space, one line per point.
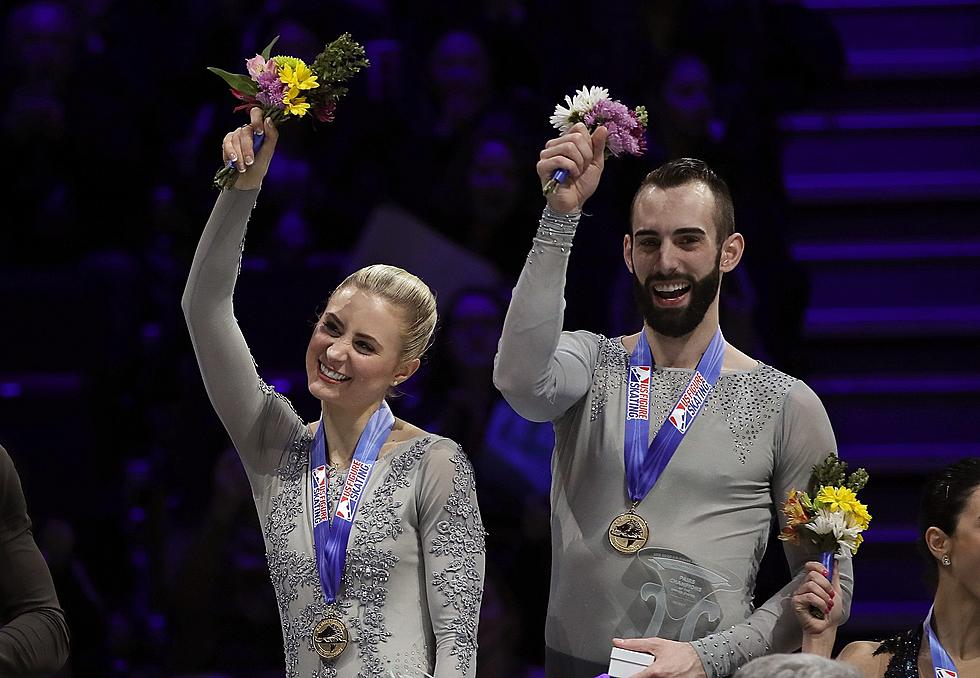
836 523
578 106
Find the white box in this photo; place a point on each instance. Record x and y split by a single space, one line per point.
625 663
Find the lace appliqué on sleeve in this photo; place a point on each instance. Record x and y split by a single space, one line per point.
461 538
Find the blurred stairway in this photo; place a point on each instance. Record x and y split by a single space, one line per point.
885 189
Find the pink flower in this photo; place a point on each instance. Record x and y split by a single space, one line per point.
626 132
258 65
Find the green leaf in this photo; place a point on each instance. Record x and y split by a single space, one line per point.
268 48
242 83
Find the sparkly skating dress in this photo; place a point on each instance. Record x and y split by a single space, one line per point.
413 580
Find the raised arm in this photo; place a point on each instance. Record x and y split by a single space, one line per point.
454 553
539 375
33 633
254 417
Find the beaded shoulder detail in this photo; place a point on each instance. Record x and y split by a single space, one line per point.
905 654
749 401
611 367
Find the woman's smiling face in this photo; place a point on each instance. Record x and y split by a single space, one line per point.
354 354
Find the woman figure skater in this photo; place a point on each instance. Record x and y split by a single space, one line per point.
372 530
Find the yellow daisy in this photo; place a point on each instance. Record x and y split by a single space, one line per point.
295 106
297 75
836 499
859 512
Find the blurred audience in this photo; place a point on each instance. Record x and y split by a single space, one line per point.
108 109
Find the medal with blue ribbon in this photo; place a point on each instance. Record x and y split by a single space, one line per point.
330 636
942 663
628 532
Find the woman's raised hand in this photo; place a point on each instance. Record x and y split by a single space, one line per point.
237 146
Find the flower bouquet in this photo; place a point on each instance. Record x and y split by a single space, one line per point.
284 87
828 514
592 106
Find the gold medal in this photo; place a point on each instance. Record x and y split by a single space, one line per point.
628 532
330 638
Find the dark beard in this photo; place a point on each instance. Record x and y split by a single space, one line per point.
677 322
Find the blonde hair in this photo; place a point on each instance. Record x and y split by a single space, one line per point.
406 291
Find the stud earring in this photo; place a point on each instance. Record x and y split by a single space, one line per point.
946 561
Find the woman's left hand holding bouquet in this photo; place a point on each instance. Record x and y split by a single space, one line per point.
238 147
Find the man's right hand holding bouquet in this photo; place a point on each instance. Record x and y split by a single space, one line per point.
582 156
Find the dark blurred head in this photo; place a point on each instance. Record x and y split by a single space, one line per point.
294 38
688 170
473 323
40 38
946 505
459 65
493 180
686 95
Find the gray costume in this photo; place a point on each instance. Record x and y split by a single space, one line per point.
709 513
413 579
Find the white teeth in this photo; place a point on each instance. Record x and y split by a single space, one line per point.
670 287
336 376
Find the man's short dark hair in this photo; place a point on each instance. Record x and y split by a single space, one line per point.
688 170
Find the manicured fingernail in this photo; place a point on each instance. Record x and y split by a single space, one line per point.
249 160
831 604
826 573
833 593
234 158
268 121
242 168
259 132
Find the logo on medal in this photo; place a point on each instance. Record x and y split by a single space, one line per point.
690 403
343 509
330 638
638 393
356 479
628 533
679 418
945 673
320 512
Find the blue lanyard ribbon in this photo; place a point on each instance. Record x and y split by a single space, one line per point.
330 538
644 465
942 663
